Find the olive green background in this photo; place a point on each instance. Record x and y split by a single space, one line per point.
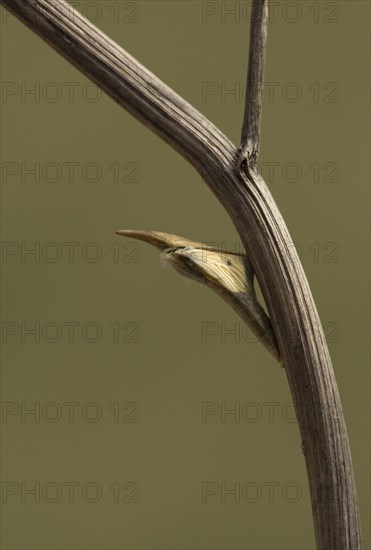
169 371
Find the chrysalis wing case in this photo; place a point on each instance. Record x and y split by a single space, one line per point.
229 274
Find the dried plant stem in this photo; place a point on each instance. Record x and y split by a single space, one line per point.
252 209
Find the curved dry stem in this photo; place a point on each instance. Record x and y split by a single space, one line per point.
264 234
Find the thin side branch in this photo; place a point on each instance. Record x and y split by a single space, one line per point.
250 137
256 217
